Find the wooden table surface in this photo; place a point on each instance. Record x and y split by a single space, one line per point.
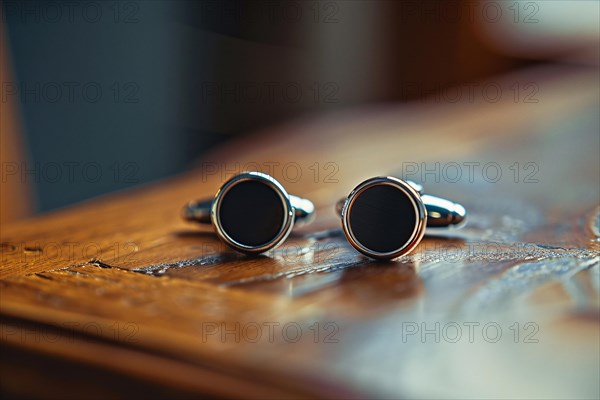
119 296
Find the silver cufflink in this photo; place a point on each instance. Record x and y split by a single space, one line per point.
385 217
251 212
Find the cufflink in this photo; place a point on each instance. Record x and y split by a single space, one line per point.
385 217
251 212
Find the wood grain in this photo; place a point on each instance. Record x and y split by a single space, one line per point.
122 285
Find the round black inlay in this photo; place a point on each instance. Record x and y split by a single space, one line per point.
382 218
251 213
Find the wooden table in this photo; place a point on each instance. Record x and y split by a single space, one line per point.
119 296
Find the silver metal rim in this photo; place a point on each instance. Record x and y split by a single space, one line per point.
419 207
285 229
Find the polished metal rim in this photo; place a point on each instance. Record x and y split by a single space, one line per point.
286 227
419 208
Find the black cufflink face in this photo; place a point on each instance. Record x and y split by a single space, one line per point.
252 212
384 217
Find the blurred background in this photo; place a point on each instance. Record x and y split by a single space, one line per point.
99 96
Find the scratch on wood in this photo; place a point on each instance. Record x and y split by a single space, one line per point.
522 277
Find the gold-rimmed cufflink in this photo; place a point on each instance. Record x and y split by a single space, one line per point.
385 217
251 212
